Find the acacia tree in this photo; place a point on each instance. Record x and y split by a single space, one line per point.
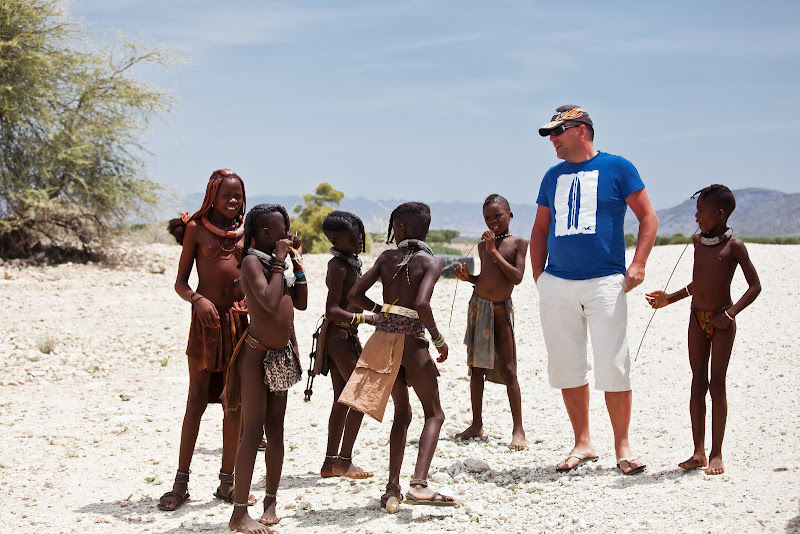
316 206
72 115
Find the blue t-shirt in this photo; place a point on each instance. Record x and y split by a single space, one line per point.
587 212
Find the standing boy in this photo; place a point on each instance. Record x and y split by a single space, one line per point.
396 355
491 349
712 327
267 365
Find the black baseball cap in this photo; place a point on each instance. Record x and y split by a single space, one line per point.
566 113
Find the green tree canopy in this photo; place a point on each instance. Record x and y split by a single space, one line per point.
316 206
72 116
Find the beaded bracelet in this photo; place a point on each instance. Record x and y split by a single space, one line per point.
438 342
431 328
278 266
301 282
300 273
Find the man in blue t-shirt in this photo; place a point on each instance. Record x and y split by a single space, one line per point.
579 233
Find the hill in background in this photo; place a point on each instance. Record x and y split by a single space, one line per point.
759 213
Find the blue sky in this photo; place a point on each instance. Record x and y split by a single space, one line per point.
441 100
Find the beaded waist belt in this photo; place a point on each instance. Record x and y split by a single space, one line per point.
399 310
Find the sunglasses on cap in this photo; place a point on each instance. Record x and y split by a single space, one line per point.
558 130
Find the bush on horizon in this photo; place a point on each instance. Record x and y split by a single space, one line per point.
680 239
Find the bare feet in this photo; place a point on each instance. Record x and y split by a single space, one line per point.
327 467
695 462
518 440
345 468
270 516
247 524
471 432
715 466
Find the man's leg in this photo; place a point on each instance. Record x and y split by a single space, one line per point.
564 330
576 401
619 405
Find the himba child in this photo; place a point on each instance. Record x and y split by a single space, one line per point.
266 365
712 325
212 240
396 356
338 346
494 357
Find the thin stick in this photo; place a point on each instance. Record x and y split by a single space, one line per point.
665 290
450 322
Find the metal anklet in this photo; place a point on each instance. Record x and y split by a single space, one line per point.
346 458
419 482
240 504
226 478
268 495
391 486
330 459
182 477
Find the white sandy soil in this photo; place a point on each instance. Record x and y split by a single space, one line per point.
90 431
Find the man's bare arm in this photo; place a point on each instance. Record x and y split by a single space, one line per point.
541 229
641 206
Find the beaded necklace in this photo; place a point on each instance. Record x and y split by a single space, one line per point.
268 260
227 240
501 236
716 240
352 259
421 245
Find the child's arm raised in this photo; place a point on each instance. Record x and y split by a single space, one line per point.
268 289
513 272
433 270
206 310
299 291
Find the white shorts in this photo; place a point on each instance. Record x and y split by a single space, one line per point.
565 308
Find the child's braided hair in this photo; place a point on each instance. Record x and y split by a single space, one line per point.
251 221
721 196
494 198
344 221
417 208
177 226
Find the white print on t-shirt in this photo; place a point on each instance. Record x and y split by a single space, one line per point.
575 203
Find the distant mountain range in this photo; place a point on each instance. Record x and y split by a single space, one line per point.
759 213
